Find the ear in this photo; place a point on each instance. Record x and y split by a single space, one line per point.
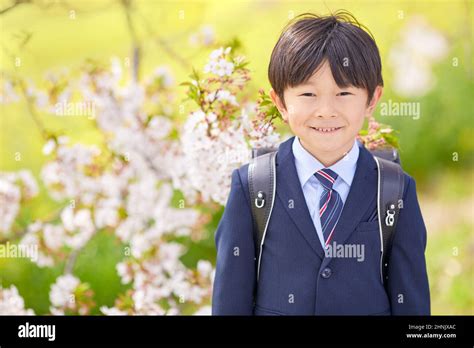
279 104
375 99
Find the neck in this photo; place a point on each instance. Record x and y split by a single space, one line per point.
328 158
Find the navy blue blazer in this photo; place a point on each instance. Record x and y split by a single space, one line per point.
296 277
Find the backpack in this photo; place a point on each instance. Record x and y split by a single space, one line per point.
262 189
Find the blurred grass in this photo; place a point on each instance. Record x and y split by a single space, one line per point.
99 31
94 265
451 276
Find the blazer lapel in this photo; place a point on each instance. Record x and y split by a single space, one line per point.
291 195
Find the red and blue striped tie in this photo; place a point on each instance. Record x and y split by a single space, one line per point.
330 204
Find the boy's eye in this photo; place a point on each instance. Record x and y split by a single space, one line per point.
308 95
345 93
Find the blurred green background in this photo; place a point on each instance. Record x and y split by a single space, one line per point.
436 149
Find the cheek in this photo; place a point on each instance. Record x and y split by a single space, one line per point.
299 118
355 114
297 114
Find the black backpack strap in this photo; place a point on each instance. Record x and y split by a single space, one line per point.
389 196
262 188
388 153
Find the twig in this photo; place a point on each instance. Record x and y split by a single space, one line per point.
13 5
135 42
71 261
163 44
32 111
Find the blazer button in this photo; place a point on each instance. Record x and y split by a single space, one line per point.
326 273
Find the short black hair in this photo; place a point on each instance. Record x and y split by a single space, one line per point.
309 40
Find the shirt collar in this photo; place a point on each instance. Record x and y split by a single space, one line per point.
306 164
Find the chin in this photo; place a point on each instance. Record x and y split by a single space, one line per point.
329 147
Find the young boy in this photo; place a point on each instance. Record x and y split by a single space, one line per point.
326 77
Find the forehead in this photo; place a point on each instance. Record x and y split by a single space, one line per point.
322 73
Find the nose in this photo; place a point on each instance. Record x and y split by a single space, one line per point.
325 109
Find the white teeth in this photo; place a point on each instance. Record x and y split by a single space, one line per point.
325 129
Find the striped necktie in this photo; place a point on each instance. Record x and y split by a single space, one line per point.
330 203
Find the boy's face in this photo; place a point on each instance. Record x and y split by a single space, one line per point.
324 116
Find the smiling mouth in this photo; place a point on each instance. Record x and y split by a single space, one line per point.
326 130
